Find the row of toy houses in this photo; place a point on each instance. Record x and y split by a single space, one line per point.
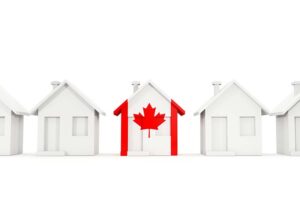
68 122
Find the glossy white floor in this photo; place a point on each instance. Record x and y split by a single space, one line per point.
183 179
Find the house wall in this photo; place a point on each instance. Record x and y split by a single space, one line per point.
282 134
202 132
96 136
5 140
16 134
160 136
292 114
233 104
66 105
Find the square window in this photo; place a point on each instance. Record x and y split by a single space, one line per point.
80 126
2 126
247 126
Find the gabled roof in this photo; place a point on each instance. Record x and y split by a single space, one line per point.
150 83
57 90
223 90
11 103
286 105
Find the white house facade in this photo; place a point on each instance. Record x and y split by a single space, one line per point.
11 125
68 123
231 122
288 123
149 122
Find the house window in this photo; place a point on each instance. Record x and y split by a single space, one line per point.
247 126
80 126
2 126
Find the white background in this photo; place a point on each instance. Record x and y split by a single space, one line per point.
101 46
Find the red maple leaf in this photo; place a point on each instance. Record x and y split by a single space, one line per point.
149 120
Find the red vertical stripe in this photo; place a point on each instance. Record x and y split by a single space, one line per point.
124 129
174 134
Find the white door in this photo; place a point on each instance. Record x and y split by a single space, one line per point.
219 134
135 140
156 144
297 133
52 129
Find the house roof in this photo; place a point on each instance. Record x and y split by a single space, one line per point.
150 83
286 105
60 87
223 90
11 103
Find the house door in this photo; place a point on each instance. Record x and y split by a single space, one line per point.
52 130
297 133
219 134
135 139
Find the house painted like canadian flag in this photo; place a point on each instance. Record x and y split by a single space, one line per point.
149 122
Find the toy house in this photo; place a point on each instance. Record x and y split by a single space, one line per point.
11 125
231 122
68 122
149 122
288 123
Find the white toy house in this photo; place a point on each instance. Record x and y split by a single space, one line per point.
149 122
11 125
68 122
288 123
231 122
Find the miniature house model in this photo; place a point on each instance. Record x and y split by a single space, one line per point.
231 122
288 123
148 122
11 125
68 122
